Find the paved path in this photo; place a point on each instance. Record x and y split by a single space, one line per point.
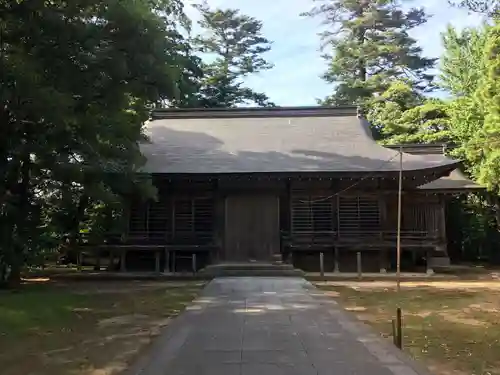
269 326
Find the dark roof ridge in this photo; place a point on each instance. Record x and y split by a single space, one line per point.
242 112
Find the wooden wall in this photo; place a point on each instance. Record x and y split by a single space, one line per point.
194 211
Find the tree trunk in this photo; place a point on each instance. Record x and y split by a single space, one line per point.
22 216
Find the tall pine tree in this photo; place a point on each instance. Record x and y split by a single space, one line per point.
368 46
236 44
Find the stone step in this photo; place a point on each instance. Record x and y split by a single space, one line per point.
251 269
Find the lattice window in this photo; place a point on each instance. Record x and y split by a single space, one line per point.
193 215
159 218
358 214
138 217
312 214
419 217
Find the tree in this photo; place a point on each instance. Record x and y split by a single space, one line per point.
490 8
77 81
470 72
488 98
236 44
402 115
462 62
369 47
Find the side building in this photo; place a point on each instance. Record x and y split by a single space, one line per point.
261 184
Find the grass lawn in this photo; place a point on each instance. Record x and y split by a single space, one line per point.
87 328
453 327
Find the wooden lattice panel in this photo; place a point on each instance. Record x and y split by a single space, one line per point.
138 217
192 215
159 217
312 213
358 214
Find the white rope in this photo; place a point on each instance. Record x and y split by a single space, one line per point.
353 185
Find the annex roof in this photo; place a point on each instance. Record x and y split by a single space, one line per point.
455 181
266 140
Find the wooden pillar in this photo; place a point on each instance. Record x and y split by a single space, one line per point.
79 260
157 261
321 264
383 214
166 267
383 261
336 254
442 225
98 260
359 265
430 270
111 260
220 221
193 263
123 258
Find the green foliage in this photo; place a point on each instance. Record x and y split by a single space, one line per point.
77 81
490 8
236 45
475 114
402 115
368 46
462 62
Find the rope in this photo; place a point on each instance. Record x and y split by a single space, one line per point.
353 185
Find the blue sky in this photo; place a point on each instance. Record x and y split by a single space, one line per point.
295 78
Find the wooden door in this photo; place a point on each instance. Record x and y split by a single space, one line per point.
252 228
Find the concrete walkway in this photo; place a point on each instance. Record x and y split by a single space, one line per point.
270 326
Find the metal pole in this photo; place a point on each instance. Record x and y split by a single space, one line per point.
398 236
399 324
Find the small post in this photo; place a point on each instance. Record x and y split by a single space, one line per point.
111 261
173 261
157 261
166 266
321 264
358 263
193 263
123 258
79 261
336 267
399 329
394 333
98 261
428 264
383 261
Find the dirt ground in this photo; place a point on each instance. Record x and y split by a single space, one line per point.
84 328
453 326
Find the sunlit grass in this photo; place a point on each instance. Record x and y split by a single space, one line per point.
453 331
